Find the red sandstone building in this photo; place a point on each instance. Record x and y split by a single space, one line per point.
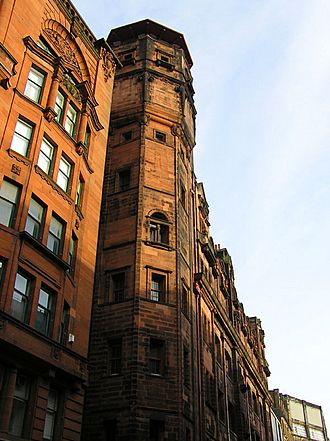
172 355
56 86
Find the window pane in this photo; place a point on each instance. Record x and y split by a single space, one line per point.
22 136
70 120
59 106
8 199
44 312
34 218
45 156
55 236
18 413
34 85
64 173
20 297
56 227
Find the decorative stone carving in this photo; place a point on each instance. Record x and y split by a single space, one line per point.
63 46
108 64
49 114
16 169
7 67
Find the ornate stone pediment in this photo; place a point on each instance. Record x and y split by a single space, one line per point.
64 48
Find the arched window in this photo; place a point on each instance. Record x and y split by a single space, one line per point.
159 229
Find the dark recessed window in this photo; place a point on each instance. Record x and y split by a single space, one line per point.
118 287
35 218
160 136
156 430
124 179
20 404
157 291
20 301
45 312
114 357
127 135
156 356
9 195
50 418
185 301
159 229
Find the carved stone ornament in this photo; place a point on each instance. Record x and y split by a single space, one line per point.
16 169
64 48
80 148
108 64
49 114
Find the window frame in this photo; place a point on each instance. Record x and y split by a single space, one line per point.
26 297
34 221
115 354
156 357
35 86
124 179
51 414
159 229
60 107
61 174
17 136
157 292
70 124
72 254
18 401
59 240
48 311
48 159
12 203
80 192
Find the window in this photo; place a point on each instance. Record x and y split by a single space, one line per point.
110 428
19 409
70 121
72 252
64 323
124 179
156 430
160 136
185 301
217 349
55 235
50 414
299 430
79 193
157 292
127 136
156 357
20 301
118 287
9 194
186 367
34 219
159 229
22 137
46 156
64 174
2 272
44 315
183 195
34 85
229 365
44 45
114 357
87 136
59 106
316 434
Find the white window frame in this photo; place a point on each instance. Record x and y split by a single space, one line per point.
64 174
22 137
46 157
34 85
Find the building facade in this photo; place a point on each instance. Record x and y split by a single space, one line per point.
300 420
53 134
173 355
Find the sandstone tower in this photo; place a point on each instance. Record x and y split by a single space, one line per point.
142 332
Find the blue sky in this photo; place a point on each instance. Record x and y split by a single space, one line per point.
262 81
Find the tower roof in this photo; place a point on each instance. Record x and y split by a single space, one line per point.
161 32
